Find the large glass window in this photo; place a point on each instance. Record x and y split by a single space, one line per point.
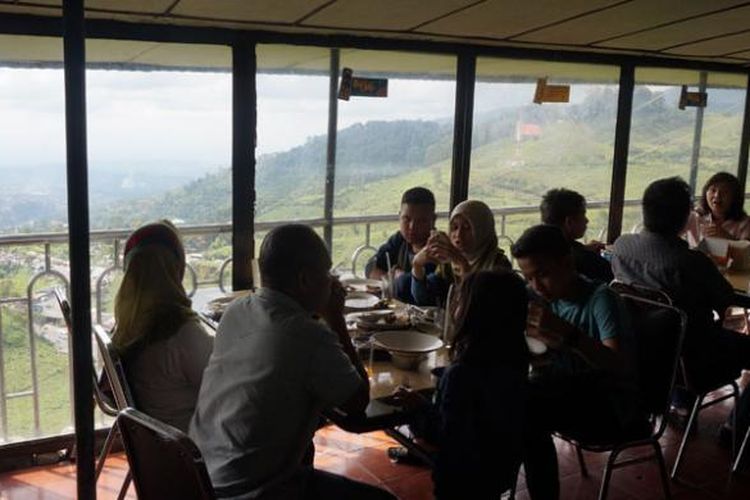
521 149
159 148
668 141
34 364
387 145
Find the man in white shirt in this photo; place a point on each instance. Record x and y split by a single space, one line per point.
274 368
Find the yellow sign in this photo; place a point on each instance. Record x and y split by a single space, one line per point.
551 93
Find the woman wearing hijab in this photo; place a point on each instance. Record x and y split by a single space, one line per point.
159 337
470 246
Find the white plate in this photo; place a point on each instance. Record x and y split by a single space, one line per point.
361 284
536 346
375 320
407 341
361 300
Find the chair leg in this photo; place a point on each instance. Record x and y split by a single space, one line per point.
604 487
736 398
582 462
738 458
662 470
691 420
125 486
105 450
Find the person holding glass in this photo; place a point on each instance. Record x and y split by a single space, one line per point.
719 212
470 246
160 338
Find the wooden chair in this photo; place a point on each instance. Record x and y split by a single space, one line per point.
659 330
164 461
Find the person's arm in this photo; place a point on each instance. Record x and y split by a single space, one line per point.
557 333
333 314
377 266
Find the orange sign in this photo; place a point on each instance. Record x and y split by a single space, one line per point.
551 93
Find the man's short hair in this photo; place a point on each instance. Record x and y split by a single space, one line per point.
666 206
418 196
557 204
545 240
286 251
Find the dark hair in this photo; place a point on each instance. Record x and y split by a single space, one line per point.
736 209
286 251
492 318
666 206
557 204
418 196
543 239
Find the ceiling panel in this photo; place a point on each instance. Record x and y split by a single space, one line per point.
623 19
15 48
292 58
715 47
504 18
392 63
686 31
742 55
32 10
383 14
271 11
140 6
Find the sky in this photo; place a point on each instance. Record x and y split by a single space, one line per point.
184 118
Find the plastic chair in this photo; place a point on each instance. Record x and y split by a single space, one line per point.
114 372
659 329
164 461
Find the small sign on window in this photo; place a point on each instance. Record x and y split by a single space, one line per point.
550 93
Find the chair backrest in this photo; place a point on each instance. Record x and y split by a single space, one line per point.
113 369
165 462
659 331
62 301
642 291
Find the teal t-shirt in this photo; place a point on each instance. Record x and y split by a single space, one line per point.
597 311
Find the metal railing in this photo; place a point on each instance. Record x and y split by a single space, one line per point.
100 280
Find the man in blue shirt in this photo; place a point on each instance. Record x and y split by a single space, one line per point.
587 390
416 220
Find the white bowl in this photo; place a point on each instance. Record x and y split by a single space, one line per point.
407 347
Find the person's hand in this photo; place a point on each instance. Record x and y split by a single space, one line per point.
545 326
409 399
716 231
595 246
444 252
335 306
396 273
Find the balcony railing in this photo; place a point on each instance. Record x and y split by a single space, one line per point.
53 274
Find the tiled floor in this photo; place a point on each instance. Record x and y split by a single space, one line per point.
362 457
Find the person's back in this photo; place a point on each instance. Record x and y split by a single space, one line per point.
158 336
689 277
264 383
165 377
274 369
483 411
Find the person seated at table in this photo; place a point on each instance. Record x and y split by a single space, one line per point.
416 220
659 258
275 367
478 415
587 391
160 338
566 209
470 246
719 212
